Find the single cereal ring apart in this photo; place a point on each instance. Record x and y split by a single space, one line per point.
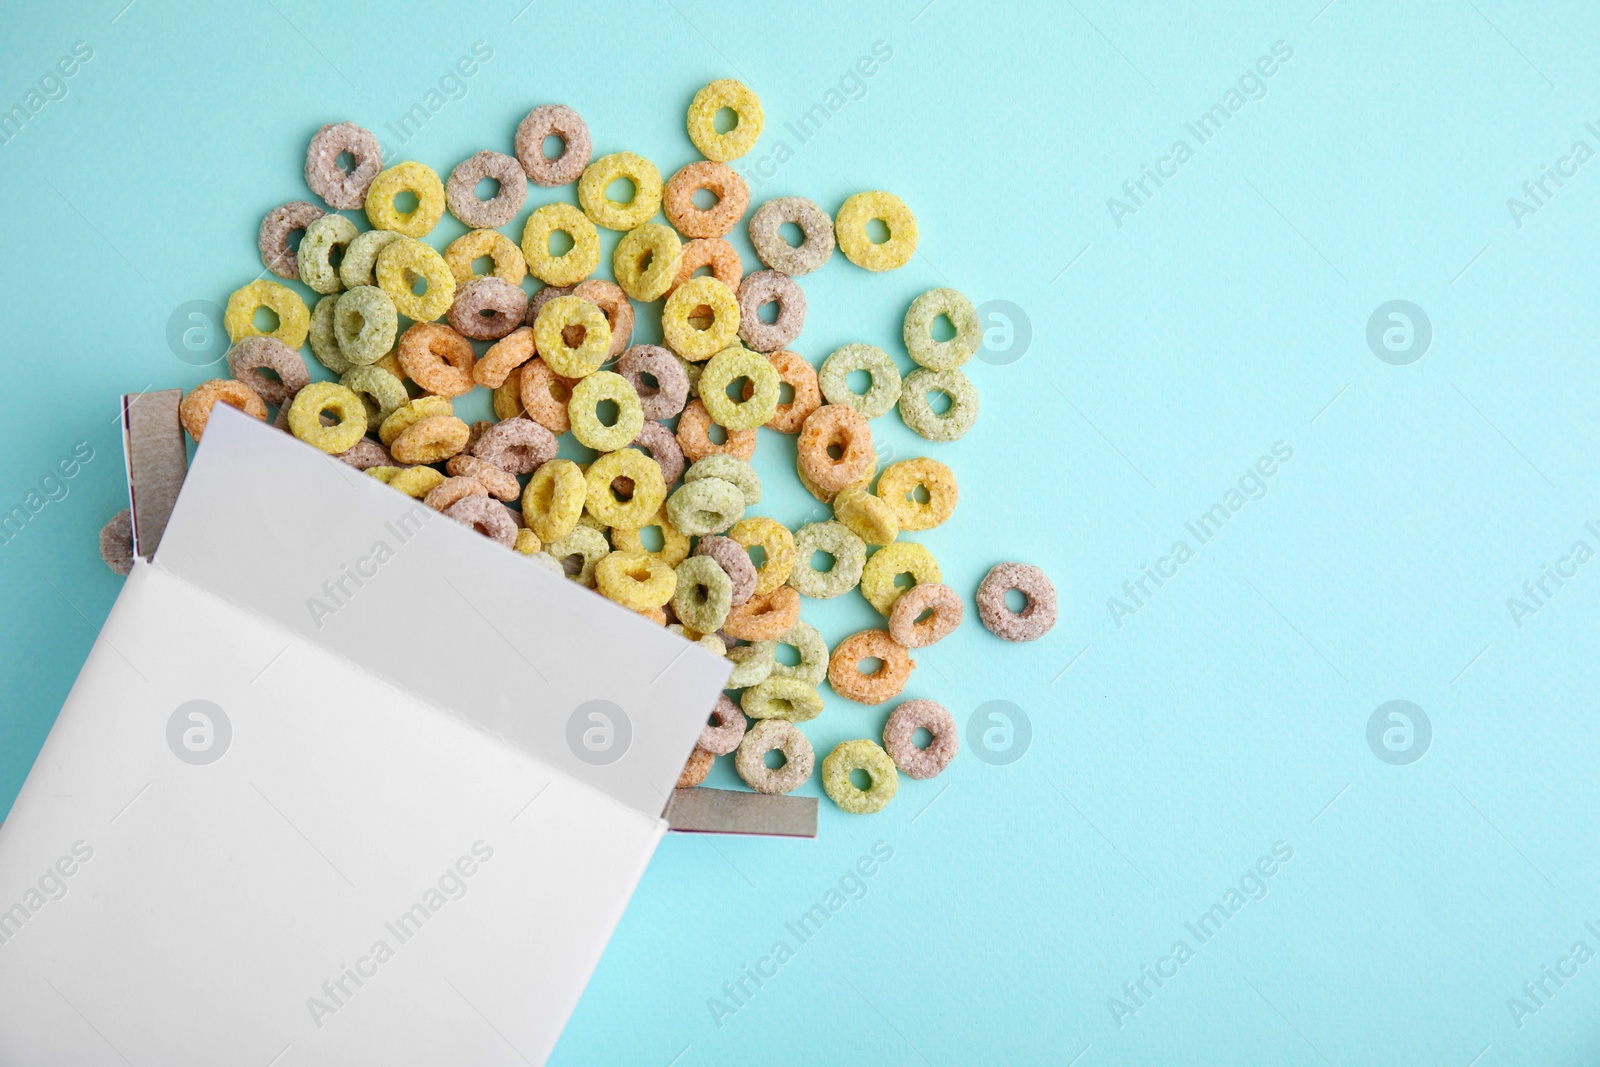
945 613
670 390
849 554
461 194
918 329
364 325
784 698
662 447
858 247
765 616
360 263
438 359
834 379
582 410
554 498
807 641
507 259
723 733
1034 620
415 411
485 516
116 548
343 189
868 517
702 120
553 120
381 392
294 318
636 580
697 769
800 377
246 359
571 266
712 252
897 487
707 506
431 440
645 490
612 214
645 262
452 491
517 446
838 426
891 561
885 683
273 237
735 563
761 393
704 594
545 394
764 287
683 308
777 548
572 357
503 359
579 553
863 755
674 543
752 663
816 228
315 257
609 298
722 182
694 436
751 758
409 177
195 411
341 404
487 309
500 484
400 265
918 414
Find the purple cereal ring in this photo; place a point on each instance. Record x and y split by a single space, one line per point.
366 453
816 228
723 734
461 192
246 359
543 297
516 446
1034 620
273 237
945 604
664 399
487 517
345 190
735 562
662 444
903 725
768 286
556 120
116 548
487 308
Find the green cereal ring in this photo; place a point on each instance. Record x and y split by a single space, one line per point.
554 498
813 666
406 177
865 756
704 594
851 227
305 417
324 338
361 257
382 392
789 699
752 663
401 264
918 330
509 264
709 505
316 252
751 758
737 97
646 261
294 318
693 370
364 324
868 517
682 332
550 339
613 215
849 554
727 367
729 469
580 552
587 395
648 489
573 265
918 414
834 379
891 561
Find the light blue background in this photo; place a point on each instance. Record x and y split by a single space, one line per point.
1168 354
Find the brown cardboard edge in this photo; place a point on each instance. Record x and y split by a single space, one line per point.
156 461
730 811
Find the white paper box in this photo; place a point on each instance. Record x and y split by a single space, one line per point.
384 849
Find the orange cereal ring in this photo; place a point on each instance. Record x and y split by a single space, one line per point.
503 357
451 491
438 359
835 427
694 436
799 376
765 616
943 606
722 182
405 415
609 298
713 252
696 770
195 411
545 395
885 683
500 484
431 440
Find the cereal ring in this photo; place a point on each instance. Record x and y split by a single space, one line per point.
315 257
723 182
868 517
381 392
485 516
751 758
834 379
695 771
553 120
816 240
324 338
487 309
479 428
945 612
801 379
897 487
692 371
918 329
506 399
609 298
752 663
508 263
461 193
777 548
366 454
431 440
645 262
662 447
340 188
613 214
761 400
765 616
517 446
400 265
828 496
1034 620
273 237
553 499
666 396
571 266
438 359
694 436
704 594
579 553
859 248
737 97
729 469
545 394
849 554
579 356
735 563
116 548
415 411
416 482
452 491
694 342
195 411
409 177
891 561
764 287
503 358
635 580
712 252
806 640
646 490
885 683
359 265
674 543
709 505
294 318
836 426
500 484
918 414
364 325
588 394
784 698
347 408
725 730
528 543
863 755
246 359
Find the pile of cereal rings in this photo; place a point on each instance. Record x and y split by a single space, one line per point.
407 329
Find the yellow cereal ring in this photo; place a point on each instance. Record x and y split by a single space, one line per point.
583 412
674 542
527 542
573 265
401 264
648 494
383 472
549 336
400 420
416 482
693 342
775 541
345 405
635 580
761 384
646 261
509 264
858 248
890 561
507 399
601 209
554 498
868 517
408 177
195 411
431 440
725 93
897 488
294 318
